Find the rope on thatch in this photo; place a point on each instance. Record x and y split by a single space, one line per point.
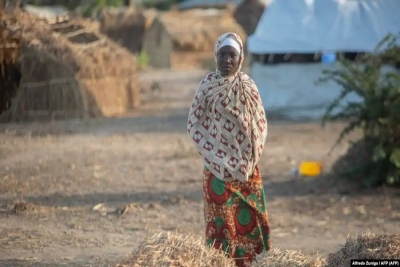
78 32
83 47
48 82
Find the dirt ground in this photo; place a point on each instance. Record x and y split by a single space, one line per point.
94 189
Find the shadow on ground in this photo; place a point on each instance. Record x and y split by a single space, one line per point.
163 123
295 187
171 121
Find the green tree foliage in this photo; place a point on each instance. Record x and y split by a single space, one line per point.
95 6
160 4
377 115
143 59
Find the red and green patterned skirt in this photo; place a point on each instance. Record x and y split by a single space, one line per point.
236 217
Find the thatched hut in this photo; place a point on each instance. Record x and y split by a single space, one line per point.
126 26
10 48
64 71
52 14
220 4
183 39
248 13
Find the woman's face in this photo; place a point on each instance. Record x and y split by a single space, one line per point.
228 60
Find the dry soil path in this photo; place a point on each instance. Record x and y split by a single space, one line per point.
95 189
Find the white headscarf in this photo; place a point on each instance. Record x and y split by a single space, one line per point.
227 121
230 41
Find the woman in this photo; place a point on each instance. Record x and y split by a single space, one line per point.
227 124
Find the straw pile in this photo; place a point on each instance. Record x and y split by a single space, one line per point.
277 257
69 71
166 249
170 250
200 30
367 246
248 13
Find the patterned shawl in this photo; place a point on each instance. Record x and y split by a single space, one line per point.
227 122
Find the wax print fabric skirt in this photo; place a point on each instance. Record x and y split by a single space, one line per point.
236 217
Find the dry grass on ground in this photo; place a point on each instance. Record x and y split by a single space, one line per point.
166 249
366 246
278 257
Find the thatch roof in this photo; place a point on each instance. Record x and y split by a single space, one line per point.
197 30
248 14
150 15
67 68
191 4
52 14
112 17
126 26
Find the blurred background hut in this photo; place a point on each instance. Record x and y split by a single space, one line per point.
220 4
126 26
185 39
62 70
248 14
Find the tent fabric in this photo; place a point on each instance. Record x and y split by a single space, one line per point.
290 90
310 26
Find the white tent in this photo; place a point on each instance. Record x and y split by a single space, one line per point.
314 26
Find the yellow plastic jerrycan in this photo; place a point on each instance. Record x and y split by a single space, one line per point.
310 168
